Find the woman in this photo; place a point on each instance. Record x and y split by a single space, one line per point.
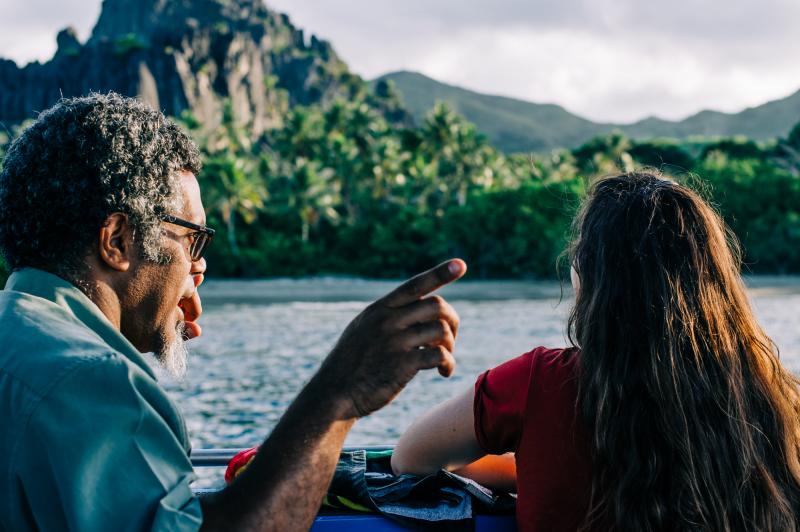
671 410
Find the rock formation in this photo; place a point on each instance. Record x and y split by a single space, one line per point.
186 56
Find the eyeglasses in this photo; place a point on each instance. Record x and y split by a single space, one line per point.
198 240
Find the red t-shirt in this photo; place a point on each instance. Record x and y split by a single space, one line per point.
528 405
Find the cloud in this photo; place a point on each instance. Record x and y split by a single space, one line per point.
602 78
48 12
694 19
610 60
28 28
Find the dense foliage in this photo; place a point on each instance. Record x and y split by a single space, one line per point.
340 190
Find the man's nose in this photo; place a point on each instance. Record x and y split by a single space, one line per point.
198 267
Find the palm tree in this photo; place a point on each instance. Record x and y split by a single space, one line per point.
302 177
605 155
457 154
232 171
236 191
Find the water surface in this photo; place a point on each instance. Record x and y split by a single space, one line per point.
264 339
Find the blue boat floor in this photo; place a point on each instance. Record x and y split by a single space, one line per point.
373 523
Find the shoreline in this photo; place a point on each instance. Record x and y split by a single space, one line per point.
355 289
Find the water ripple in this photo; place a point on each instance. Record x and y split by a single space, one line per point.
257 352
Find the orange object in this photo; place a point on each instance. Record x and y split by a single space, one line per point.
495 471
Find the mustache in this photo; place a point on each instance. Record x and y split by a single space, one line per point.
180 331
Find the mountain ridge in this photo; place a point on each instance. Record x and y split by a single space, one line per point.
186 56
200 58
515 125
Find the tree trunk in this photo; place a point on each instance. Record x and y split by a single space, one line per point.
304 231
232 234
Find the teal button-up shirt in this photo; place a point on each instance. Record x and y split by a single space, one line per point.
89 440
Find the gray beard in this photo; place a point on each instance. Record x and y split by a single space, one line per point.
172 356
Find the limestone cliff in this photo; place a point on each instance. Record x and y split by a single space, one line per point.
186 56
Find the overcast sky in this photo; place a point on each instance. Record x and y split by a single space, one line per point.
611 60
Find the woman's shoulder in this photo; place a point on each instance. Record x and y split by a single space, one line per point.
561 358
542 365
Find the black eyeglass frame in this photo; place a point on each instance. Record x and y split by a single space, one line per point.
201 237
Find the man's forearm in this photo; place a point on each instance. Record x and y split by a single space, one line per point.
378 353
283 486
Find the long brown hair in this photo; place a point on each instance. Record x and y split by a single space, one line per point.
695 423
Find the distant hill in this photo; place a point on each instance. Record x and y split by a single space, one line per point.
510 125
518 126
767 121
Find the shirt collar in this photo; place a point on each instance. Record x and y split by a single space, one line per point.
47 286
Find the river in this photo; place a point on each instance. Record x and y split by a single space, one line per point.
263 339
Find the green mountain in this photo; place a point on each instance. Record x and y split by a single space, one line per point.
767 121
518 126
511 125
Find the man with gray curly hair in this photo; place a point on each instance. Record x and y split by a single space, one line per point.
103 228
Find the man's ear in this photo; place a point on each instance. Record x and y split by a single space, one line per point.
115 242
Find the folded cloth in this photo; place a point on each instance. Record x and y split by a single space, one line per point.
364 482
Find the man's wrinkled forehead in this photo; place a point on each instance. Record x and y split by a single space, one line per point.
192 200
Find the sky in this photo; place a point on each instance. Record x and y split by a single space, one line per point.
607 60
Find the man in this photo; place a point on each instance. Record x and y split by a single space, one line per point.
102 224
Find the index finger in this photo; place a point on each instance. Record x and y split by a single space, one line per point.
423 284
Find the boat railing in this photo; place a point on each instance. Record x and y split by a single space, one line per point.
351 522
220 457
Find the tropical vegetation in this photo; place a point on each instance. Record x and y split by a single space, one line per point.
341 189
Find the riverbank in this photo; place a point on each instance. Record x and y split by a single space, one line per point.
262 340
332 289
